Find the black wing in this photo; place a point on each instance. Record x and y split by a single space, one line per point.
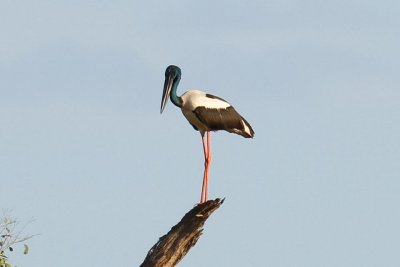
227 119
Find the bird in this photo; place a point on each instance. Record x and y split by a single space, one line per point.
206 113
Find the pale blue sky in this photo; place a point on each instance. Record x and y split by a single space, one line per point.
84 150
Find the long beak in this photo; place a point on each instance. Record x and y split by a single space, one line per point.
166 92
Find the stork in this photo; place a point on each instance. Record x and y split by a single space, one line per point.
205 113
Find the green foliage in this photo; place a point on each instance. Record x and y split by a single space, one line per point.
10 235
3 262
26 249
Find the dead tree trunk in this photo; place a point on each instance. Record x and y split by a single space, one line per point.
173 246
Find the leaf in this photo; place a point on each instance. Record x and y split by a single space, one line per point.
26 249
11 249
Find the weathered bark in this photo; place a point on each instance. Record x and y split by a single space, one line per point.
173 246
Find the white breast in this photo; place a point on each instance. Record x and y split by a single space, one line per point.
195 98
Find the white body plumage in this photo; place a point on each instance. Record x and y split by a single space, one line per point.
210 113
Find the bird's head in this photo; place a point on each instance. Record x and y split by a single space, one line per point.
172 78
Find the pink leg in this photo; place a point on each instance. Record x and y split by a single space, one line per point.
208 162
204 186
